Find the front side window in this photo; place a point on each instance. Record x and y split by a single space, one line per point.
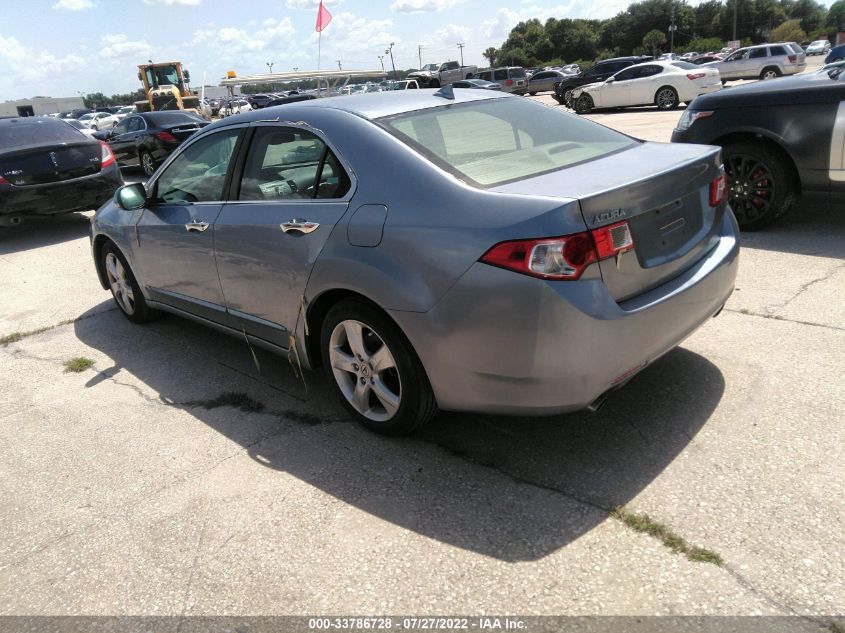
198 174
291 164
496 141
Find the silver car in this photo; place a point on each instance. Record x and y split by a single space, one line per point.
472 251
765 61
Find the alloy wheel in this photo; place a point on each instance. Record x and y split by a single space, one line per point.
119 283
751 187
147 164
567 97
365 370
666 99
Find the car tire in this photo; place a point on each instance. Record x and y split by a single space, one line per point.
583 104
567 98
124 287
532 93
435 83
666 98
770 72
147 162
403 401
748 164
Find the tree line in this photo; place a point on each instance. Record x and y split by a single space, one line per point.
643 28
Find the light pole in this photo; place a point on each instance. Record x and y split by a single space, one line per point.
381 59
419 52
390 52
672 29
338 64
270 66
461 46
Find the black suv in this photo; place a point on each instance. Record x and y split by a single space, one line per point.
599 72
779 139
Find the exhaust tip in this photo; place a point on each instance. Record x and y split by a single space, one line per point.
11 220
597 404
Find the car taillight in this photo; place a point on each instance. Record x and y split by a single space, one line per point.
509 82
719 188
106 155
561 258
3 181
692 76
792 58
167 137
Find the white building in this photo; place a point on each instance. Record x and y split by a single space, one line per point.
40 105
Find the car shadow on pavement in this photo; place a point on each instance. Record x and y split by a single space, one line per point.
38 231
515 489
814 227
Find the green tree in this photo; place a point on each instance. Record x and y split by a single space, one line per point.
491 53
654 40
789 31
836 16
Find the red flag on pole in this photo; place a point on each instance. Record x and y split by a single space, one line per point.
323 17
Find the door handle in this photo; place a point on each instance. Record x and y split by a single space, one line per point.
303 226
196 227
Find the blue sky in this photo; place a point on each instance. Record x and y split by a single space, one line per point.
62 47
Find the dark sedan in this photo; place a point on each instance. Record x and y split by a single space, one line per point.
480 84
48 167
779 139
146 139
289 99
599 72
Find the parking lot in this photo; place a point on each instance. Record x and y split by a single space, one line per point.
176 476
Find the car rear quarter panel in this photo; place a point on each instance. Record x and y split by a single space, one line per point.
803 131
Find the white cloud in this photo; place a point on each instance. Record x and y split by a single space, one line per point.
422 6
348 33
119 45
312 4
11 49
192 3
74 5
499 27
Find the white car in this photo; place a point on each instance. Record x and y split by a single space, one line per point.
87 131
98 120
124 112
664 84
819 47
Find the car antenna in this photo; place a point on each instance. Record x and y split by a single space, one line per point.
447 92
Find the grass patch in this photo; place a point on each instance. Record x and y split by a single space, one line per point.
14 337
78 364
835 627
646 525
236 399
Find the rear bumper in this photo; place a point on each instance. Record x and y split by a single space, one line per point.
79 194
503 343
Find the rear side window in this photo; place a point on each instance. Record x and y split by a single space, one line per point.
500 74
291 164
684 65
20 133
777 50
495 141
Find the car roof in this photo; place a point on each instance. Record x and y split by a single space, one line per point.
373 105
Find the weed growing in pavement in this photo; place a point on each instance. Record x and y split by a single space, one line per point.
14 337
646 525
78 364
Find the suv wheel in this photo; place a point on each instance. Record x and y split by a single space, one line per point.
760 184
770 72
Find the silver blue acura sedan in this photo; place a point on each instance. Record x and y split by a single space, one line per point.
461 250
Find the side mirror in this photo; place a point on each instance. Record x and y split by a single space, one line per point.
187 76
130 197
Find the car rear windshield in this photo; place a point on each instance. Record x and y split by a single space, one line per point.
685 65
496 141
516 73
20 133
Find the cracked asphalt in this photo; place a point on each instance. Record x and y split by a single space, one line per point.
123 494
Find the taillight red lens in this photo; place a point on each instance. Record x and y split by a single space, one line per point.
692 76
3 181
719 189
106 155
562 258
509 82
167 137
792 58
612 239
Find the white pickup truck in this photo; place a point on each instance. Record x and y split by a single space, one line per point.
436 75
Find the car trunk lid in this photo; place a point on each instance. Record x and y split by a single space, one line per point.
661 190
50 163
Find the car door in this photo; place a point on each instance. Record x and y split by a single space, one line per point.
758 59
616 91
644 86
734 66
127 142
292 192
119 142
175 243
